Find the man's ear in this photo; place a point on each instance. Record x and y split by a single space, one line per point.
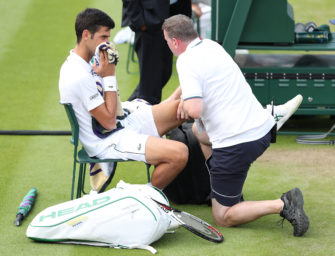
86 34
176 42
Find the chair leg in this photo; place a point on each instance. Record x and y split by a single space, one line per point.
80 180
128 58
133 53
148 172
83 181
73 179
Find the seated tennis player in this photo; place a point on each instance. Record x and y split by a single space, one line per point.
92 91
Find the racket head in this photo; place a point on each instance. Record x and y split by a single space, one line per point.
197 226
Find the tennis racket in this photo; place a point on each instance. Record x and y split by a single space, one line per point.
193 224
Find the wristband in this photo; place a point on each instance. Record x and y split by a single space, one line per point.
110 84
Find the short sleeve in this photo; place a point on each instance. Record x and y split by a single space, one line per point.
90 96
190 81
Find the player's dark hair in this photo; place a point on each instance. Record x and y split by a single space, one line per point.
91 19
181 27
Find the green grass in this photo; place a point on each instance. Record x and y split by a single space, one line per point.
36 38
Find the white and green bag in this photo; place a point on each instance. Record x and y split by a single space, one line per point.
123 217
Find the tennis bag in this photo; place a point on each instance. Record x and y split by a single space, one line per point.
192 185
123 217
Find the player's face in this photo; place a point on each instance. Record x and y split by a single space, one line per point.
101 36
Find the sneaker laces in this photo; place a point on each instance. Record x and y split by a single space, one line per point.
289 212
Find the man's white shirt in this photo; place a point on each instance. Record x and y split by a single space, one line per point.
231 113
78 86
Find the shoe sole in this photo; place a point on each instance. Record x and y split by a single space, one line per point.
303 223
298 100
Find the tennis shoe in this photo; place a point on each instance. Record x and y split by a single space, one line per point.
283 112
293 211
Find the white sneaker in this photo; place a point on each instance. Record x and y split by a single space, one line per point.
283 112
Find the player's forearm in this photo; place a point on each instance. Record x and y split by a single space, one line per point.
111 106
111 103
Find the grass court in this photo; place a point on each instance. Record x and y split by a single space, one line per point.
35 40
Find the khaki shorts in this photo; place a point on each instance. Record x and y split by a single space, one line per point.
129 143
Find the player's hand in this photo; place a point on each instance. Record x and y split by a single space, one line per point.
105 68
113 54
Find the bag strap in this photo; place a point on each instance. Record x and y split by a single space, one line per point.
315 139
110 245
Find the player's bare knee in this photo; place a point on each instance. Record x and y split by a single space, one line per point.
181 154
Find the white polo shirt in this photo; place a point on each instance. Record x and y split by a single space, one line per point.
231 113
77 85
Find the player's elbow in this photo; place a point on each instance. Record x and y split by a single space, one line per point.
109 124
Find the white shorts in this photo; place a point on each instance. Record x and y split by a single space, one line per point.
129 143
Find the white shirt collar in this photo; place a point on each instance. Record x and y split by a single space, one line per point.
80 60
195 42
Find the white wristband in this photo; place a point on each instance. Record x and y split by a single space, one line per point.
110 84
